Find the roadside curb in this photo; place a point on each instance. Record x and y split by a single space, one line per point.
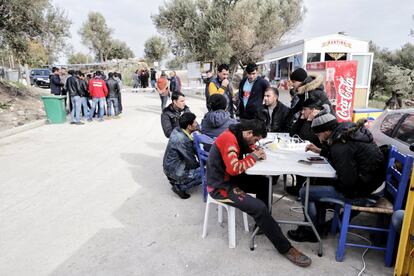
19 129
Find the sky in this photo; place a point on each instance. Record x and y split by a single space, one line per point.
386 22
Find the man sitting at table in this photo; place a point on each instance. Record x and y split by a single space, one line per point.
274 113
358 162
228 183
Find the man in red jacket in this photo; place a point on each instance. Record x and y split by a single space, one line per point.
232 153
98 92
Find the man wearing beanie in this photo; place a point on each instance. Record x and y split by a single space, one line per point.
308 86
358 162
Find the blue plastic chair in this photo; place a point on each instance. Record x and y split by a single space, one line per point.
200 141
396 186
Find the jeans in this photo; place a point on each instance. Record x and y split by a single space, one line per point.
191 179
76 108
236 195
85 108
114 102
316 209
101 102
164 100
153 83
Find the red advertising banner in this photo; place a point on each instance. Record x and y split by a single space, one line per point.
340 80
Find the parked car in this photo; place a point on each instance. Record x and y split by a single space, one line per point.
395 127
40 77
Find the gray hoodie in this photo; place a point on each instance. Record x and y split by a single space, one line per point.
215 122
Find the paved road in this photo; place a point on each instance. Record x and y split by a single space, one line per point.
92 200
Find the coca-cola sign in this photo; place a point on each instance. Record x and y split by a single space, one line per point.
344 81
345 94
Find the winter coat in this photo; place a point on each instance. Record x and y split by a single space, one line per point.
215 122
73 86
255 100
97 88
179 156
113 88
55 85
84 92
215 87
358 161
312 87
281 120
169 118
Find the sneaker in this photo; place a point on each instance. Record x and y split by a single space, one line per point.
72 123
181 194
302 234
100 120
89 120
297 257
79 123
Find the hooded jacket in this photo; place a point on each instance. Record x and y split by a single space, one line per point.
169 118
312 87
179 156
215 122
97 88
358 161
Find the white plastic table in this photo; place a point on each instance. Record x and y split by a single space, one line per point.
285 161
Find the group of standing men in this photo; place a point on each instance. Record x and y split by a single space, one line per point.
88 93
348 147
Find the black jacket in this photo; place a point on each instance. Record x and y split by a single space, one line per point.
281 120
302 128
55 85
255 100
169 118
73 86
113 88
312 87
84 89
358 161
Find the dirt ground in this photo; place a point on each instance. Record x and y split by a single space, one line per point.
19 104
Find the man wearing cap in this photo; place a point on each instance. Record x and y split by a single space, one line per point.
358 162
308 86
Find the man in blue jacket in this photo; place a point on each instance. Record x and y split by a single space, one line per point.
251 93
55 82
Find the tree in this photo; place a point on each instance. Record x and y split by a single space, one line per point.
96 35
23 22
37 54
155 49
232 31
56 31
79 58
404 57
119 50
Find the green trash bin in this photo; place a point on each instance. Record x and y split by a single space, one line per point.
55 109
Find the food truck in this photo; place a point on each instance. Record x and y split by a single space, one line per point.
279 62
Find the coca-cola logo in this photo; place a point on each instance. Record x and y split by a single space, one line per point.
345 91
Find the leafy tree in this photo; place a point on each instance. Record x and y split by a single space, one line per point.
96 35
37 54
404 57
155 49
119 50
232 31
79 58
56 31
25 21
